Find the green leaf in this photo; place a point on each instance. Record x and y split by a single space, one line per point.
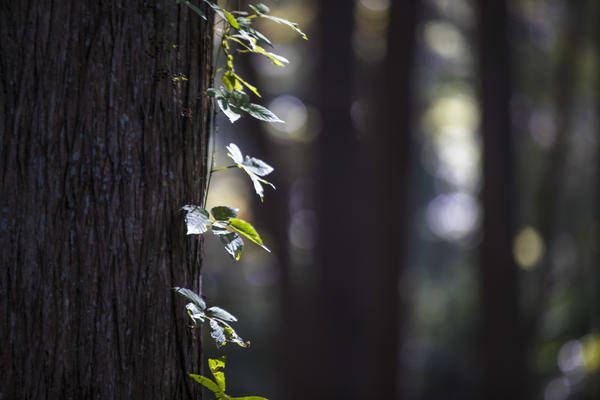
196 219
248 398
228 110
231 19
221 314
223 213
276 59
226 15
241 98
216 366
261 113
231 241
247 230
191 296
249 86
233 337
195 9
231 82
206 382
292 25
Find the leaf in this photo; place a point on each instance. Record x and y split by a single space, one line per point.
206 382
216 366
248 398
241 98
217 333
247 230
275 58
263 8
257 166
235 153
257 183
191 296
249 86
230 82
221 314
231 241
223 213
196 219
260 112
292 25
195 9
254 167
231 19
195 313
233 337
227 110
226 15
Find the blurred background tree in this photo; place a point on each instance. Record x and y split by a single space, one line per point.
436 221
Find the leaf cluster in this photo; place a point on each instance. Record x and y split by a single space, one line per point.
217 386
224 225
239 36
218 319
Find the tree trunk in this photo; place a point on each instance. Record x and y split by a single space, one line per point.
100 149
502 361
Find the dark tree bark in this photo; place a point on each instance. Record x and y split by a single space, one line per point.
99 150
502 361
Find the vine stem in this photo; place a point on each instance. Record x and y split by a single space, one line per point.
223 168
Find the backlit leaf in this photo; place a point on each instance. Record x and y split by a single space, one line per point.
247 230
216 366
191 296
206 382
221 314
260 112
196 219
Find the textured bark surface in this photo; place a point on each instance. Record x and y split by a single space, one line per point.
99 150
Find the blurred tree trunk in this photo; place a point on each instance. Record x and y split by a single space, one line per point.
338 347
100 149
502 358
389 138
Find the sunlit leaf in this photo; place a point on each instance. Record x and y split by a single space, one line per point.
249 86
221 314
217 333
223 213
196 219
241 98
248 398
228 110
292 25
216 366
257 166
191 296
260 112
206 382
254 167
231 241
195 314
226 15
235 153
247 230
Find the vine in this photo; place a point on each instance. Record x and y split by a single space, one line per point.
238 37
